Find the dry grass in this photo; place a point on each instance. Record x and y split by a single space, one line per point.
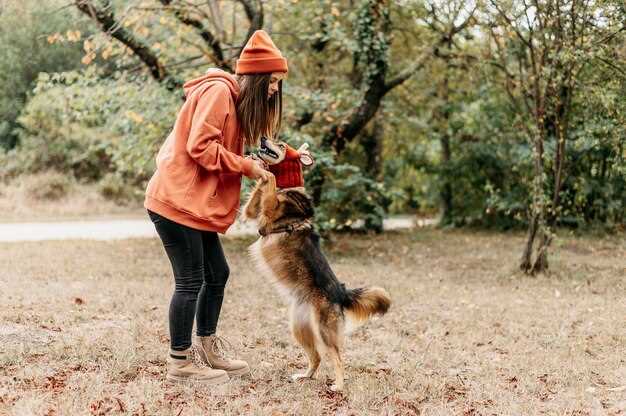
20 200
83 331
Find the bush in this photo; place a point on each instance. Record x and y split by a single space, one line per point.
79 123
25 51
9 165
114 188
48 186
348 196
491 164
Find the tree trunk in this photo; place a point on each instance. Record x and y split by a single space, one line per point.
541 260
526 264
341 133
445 193
316 184
538 206
372 144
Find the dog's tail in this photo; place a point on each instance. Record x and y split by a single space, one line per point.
364 302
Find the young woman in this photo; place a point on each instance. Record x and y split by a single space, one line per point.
194 194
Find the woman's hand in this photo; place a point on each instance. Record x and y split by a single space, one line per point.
259 172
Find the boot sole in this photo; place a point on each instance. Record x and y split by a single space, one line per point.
240 372
194 381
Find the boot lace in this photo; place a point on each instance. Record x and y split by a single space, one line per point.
220 346
195 357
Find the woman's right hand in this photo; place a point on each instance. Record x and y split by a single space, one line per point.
259 172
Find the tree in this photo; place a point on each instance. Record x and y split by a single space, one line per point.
187 13
26 50
371 34
451 53
540 49
374 77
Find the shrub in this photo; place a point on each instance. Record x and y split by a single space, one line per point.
348 196
114 188
50 186
25 51
89 126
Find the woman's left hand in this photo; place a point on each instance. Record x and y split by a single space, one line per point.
259 171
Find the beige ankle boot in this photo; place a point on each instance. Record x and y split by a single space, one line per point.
210 350
180 368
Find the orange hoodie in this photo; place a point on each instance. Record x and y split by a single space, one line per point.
200 164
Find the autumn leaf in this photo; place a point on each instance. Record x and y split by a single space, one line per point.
134 116
55 37
88 58
73 35
88 45
107 52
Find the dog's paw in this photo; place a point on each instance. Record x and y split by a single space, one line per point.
336 388
303 376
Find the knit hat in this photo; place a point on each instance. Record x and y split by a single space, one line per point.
260 56
288 172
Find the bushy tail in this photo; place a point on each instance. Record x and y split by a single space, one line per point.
364 302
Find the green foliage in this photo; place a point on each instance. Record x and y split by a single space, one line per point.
491 165
25 51
113 186
106 123
349 198
372 46
594 190
91 126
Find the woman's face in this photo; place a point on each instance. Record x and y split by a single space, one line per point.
274 80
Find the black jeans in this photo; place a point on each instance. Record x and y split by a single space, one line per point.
200 273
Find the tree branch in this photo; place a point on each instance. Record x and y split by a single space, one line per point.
205 34
255 17
445 36
413 68
105 17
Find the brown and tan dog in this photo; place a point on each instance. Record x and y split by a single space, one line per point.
289 252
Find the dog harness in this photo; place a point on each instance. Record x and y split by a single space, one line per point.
289 228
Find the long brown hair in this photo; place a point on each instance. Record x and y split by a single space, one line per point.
257 115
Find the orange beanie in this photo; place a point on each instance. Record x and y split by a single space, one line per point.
260 56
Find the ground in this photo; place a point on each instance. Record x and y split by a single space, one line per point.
20 200
83 330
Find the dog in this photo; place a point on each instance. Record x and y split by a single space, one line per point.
288 251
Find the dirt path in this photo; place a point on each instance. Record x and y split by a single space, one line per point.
133 228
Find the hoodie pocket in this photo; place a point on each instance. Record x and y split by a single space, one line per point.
204 186
226 198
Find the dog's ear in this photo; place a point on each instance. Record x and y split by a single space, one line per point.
301 202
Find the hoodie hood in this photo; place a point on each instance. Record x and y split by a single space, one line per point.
212 75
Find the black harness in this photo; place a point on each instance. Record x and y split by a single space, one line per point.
289 228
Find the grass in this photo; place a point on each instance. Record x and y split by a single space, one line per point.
83 331
26 198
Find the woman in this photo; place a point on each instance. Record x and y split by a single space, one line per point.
194 194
